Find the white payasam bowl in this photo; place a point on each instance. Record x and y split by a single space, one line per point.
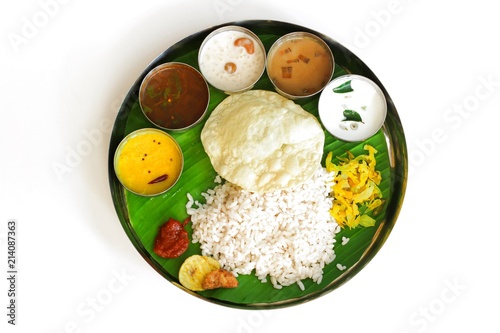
232 59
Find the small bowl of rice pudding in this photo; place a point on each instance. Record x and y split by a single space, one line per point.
300 65
232 59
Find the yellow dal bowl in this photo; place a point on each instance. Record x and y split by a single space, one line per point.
148 162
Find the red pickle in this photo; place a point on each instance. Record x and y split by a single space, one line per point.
172 240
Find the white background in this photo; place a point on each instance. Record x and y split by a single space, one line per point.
66 77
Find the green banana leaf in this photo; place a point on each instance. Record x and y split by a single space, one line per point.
141 217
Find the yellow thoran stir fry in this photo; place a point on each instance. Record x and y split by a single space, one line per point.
356 191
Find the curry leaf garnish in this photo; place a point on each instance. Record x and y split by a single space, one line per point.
343 88
350 115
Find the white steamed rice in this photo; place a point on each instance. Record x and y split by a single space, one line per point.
288 235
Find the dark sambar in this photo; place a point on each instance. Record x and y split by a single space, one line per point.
174 96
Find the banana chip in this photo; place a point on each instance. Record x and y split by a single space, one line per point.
194 270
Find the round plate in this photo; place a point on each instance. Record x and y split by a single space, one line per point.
142 216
